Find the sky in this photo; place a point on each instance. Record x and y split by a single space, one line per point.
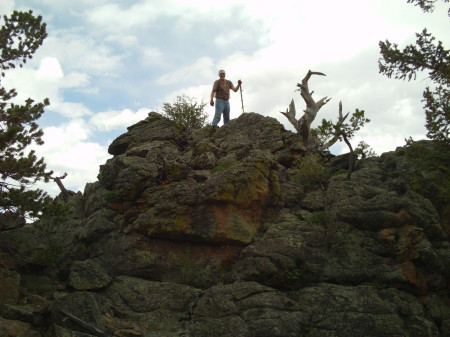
107 63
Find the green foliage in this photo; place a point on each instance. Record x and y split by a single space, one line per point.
289 278
431 178
425 55
309 170
437 113
319 218
357 121
123 195
224 166
363 150
322 133
20 36
328 132
338 172
115 195
46 256
426 5
52 213
187 112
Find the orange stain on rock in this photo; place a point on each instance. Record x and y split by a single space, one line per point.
413 277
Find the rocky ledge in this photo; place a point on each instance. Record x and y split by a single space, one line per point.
236 231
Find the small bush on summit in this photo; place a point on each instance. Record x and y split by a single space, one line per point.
363 150
187 112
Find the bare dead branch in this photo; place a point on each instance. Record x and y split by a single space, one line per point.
303 124
66 194
89 327
63 176
290 115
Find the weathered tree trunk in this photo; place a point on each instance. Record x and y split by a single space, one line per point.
351 159
87 326
66 194
303 125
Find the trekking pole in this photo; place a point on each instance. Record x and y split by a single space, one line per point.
242 100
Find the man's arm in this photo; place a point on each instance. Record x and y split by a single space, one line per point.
236 88
211 102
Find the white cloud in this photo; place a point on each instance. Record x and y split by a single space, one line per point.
124 40
78 52
201 92
66 135
114 119
25 81
6 7
116 18
70 109
50 69
201 68
228 38
384 139
67 149
49 81
403 108
113 17
152 56
75 80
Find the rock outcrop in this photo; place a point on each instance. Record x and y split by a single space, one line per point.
224 232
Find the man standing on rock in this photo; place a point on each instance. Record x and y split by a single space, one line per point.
221 88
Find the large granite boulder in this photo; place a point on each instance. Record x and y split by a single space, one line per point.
237 231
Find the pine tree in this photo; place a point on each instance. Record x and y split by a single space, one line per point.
20 36
425 55
328 133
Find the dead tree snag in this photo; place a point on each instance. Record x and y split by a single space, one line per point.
303 125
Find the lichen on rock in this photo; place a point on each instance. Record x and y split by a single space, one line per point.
238 231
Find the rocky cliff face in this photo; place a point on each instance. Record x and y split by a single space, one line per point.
235 231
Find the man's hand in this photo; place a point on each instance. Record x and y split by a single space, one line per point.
239 82
211 103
